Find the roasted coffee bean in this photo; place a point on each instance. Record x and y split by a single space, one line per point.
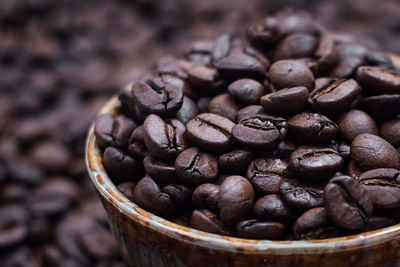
196 167
202 104
378 222
289 23
156 96
256 229
301 197
188 110
315 164
103 129
344 150
211 132
181 195
382 106
356 122
13 225
51 155
314 224
260 131
136 145
372 152
148 195
266 174
205 79
235 161
298 45
334 97
325 54
207 221
122 130
120 166
264 35
205 196
162 172
391 132
290 73
311 128
222 46
346 68
347 203
284 149
224 105
246 91
249 111
127 189
383 185
378 81
164 139
379 59
285 102
236 197
272 207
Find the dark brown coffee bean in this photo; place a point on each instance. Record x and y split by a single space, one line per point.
301 197
290 73
356 122
346 68
103 129
256 229
156 96
205 79
235 161
136 145
249 111
284 149
260 131
196 167
391 132
377 81
246 91
188 110
326 54
298 45
289 23
122 131
164 139
13 225
315 163
286 101
236 199
266 174
378 222
264 35
224 105
372 152
127 189
334 97
311 128
272 207
202 104
207 221
51 155
148 195
383 185
347 203
222 47
211 132
162 172
205 196
382 106
181 195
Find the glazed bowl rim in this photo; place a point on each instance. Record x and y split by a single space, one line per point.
109 192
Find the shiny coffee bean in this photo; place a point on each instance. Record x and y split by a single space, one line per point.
290 73
162 172
382 106
188 110
311 128
334 97
347 203
246 91
127 189
249 111
236 197
210 132
196 167
256 229
391 132
260 131
372 152
164 139
301 197
325 54
235 161
205 196
103 130
298 45
286 101
264 35
181 195
148 195
284 149
204 79
377 81
272 207
207 221
315 164
224 105
383 185
346 68
356 122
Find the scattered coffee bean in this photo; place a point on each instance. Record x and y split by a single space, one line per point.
356 122
205 196
285 102
224 105
301 197
247 91
235 161
249 111
391 132
290 73
378 81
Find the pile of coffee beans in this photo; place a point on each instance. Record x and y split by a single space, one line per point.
293 133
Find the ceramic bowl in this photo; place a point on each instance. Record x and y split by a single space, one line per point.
148 240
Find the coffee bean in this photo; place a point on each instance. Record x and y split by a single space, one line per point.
383 185
346 68
290 73
207 221
353 170
301 197
382 106
248 111
235 161
372 152
202 104
196 167
256 229
148 195
264 35
236 197
164 139
377 81
205 196
284 149
326 54
188 110
210 132
285 102
378 222
127 189
260 131
222 46
136 145
272 207
311 128
157 97
181 195
103 130
205 79
224 105
162 172
289 23
298 45
347 203
356 122
247 91
315 163
13 225
334 97
391 132
51 155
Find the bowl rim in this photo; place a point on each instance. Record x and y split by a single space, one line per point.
109 192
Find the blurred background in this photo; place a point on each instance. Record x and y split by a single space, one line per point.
61 60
